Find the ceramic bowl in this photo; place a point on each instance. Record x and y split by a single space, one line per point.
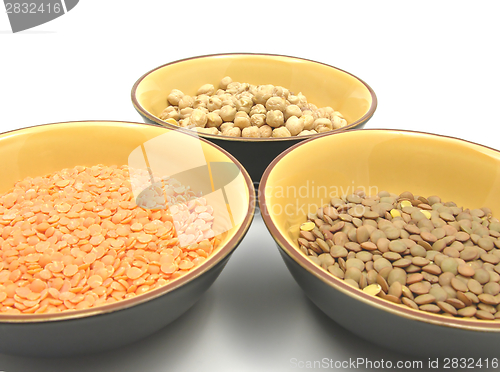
40 150
323 85
302 179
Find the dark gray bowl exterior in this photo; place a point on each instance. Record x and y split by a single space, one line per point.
408 336
255 156
105 331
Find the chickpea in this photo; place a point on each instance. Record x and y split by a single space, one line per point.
265 131
233 88
263 93
307 132
275 103
244 104
281 132
228 100
338 122
321 113
200 101
258 120
184 123
174 97
186 101
281 92
185 112
225 82
227 113
294 125
293 99
171 112
212 130
322 123
242 120
253 89
275 118
292 110
245 94
207 89
244 87
302 101
250 132
214 103
312 107
258 109
234 132
329 110
198 118
226 126
323 129
213 120
308 121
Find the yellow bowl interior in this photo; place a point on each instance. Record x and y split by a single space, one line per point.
374 160
322 85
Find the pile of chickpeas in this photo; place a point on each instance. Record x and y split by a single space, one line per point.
245 110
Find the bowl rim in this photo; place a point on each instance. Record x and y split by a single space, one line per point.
338 284
143 112
223 252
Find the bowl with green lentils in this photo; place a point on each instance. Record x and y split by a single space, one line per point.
399 242
253 105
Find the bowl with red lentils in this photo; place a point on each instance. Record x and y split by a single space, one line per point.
253 105
110 231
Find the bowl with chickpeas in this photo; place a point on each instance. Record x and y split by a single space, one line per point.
253 105
109 231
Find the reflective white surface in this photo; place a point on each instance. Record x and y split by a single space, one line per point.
433 66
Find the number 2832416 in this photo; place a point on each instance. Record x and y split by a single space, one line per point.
32 8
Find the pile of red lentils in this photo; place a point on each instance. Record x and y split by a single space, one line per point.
76 239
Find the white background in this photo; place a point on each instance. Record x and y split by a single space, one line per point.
434 68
